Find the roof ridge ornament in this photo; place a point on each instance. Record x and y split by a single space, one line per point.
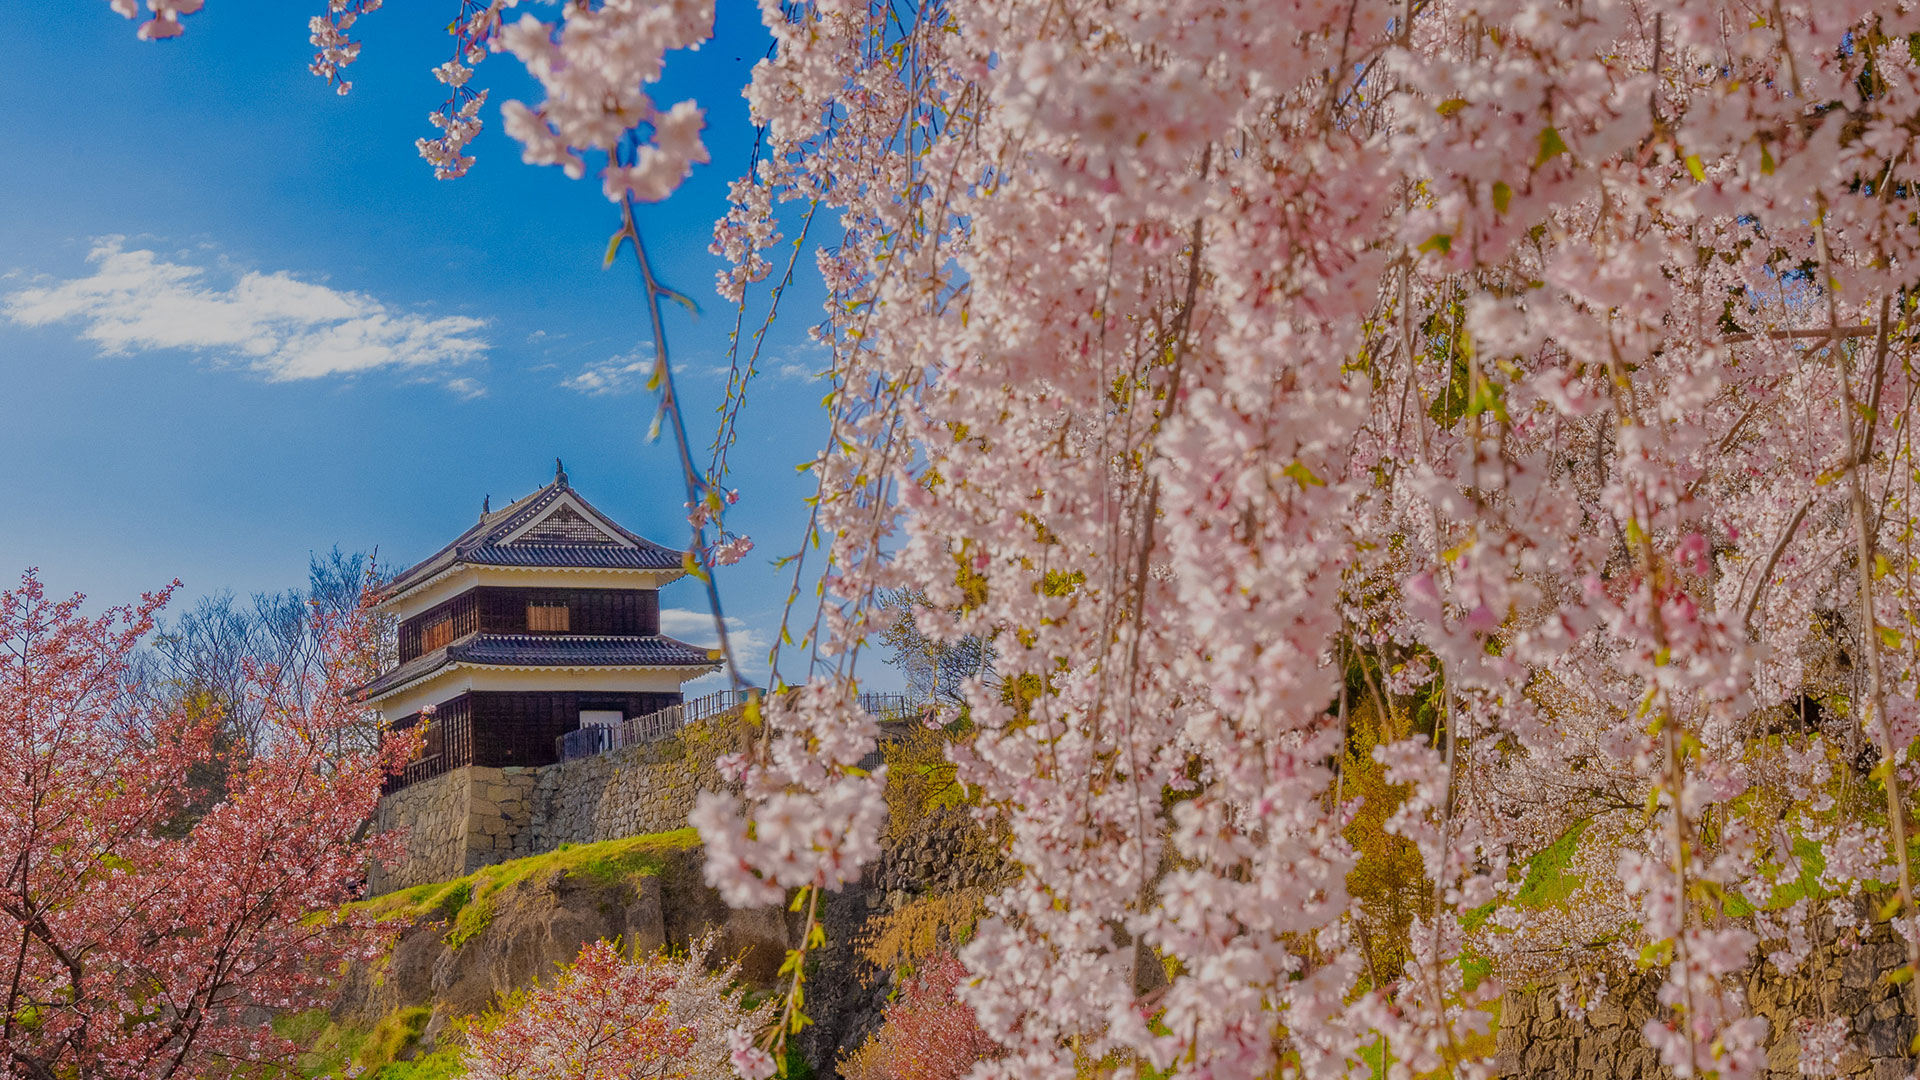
486 505
559 474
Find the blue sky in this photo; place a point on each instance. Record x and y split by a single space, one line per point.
240 321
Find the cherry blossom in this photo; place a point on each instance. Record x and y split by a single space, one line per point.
1525 386
610 1017
164 16
151 933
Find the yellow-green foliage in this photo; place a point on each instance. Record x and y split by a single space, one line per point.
921 785
335 1053
393 1036
468 902
1387 877
442 1064
923 927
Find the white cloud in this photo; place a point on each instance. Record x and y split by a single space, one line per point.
468 389
273 324
630 371
696 628
615 375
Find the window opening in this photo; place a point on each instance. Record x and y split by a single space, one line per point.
548 616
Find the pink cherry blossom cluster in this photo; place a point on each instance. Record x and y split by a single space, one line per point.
333 49
818 822
151 934
610 1015
164 16
593 66
1823 1043
458 118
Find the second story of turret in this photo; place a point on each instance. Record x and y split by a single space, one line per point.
547 564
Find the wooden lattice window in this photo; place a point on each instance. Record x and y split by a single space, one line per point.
436 634
549 616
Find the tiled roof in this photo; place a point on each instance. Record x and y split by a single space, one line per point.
651 557
544 650
487 543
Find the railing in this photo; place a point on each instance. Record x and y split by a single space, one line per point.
653 727
664 724
885 707
420 768
446 743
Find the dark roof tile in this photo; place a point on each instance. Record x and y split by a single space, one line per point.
545 650
485 544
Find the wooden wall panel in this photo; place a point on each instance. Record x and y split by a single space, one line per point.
620 612
461 614
520 728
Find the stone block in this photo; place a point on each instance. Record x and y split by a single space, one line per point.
1857 971
1887 1038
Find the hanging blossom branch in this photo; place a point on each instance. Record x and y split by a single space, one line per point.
1198 357
333 49
458 118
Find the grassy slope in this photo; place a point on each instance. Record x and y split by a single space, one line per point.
468 902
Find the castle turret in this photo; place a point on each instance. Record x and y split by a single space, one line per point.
540 619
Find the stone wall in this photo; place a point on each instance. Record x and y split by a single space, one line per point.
499 811
472 817
433 814
1538 1039
455 823
641 789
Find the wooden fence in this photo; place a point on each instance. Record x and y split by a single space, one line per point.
653 727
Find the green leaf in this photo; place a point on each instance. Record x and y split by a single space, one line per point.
1890 637
1697 167
1450 106
1440 242
682 300
613 248
1502 195
1766 160
1303 476
658 377
1656 954
1551 146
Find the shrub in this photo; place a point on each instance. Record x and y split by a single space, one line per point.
928 1033
610 1018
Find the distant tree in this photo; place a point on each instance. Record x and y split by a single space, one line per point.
131 946
610 1018
936 666
216 655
